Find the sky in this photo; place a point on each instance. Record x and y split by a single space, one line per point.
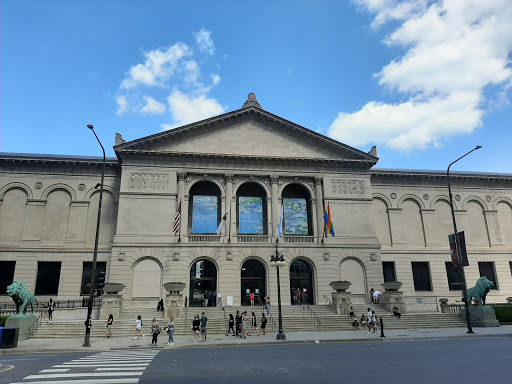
425 81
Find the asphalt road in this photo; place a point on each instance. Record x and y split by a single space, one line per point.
466 361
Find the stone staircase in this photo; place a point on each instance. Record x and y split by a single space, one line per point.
295 318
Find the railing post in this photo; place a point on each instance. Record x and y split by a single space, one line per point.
381 328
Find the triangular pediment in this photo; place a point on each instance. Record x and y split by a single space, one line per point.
250 131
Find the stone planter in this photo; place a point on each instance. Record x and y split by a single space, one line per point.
443 301
340 286
509 300
113 288
392 286
174 287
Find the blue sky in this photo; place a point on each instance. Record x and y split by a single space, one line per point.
424 80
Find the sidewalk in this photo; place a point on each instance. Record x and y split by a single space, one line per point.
180 342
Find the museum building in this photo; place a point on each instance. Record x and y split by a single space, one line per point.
232 178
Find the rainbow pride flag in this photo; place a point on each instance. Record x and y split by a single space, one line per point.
328 221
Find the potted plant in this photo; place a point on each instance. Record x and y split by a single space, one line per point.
174 287
113 288
392 285
340 285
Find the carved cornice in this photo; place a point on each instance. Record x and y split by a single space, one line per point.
61 166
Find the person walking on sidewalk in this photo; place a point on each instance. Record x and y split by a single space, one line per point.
370 321
263 323
238 323
267 305
155 331
138 329
110 321
254 324
244 325
170 329
204 325
251 296
231 324
51 307
195 327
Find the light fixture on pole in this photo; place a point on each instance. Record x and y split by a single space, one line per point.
457 245
277 260
95 256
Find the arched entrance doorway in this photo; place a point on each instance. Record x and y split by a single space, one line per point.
147 280
351 270
253 281
301 282
203 284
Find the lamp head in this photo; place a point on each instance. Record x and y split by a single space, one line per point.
478 147
90 126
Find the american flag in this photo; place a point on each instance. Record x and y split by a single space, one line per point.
176 223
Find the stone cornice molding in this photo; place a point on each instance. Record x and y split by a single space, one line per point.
58 166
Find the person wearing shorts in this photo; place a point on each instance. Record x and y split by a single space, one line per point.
204 325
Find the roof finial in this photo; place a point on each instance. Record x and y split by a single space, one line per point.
251 101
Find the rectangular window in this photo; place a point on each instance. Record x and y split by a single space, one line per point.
48 276
454 277
87 274
421 276
295 216
204 214
486 269
510 263
388 269
6 275
250 215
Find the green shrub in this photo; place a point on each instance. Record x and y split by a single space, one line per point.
503 313
3 319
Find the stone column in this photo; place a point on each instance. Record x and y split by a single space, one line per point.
342 302
319 208
275 203
184 206
229 197
33 219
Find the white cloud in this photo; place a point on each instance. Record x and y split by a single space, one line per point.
187 109
453 50
152 106
159 66
204 41
122 105
215 79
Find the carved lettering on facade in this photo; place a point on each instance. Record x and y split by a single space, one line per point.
149 181
347 187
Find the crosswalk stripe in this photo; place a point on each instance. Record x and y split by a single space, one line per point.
91 381
142 366
53 370
120 369
81 374
112 360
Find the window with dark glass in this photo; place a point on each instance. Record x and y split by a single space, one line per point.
48 277
297 218
388 270
421 276
486 269
251 209
6 275
454 276
101 266
204 207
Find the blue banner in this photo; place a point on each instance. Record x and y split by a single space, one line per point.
204 214
250 215
295 217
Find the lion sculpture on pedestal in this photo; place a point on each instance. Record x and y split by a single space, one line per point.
21 296
480 290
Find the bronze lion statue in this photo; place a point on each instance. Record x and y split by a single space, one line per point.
21 296
480 290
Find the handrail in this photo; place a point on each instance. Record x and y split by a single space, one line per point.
312 314
329 303
31 329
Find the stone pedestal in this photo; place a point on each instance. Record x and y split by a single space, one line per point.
23 323
111 304
482 316
389 299
342 302
174 305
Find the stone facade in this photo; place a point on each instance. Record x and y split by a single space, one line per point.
48 210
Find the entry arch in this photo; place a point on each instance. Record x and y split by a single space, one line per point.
253 278
147 279
203 282
352 270
301 282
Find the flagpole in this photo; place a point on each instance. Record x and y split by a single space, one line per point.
179 229
325 224
229 229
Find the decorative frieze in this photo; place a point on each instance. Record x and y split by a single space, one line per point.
149 181
347 187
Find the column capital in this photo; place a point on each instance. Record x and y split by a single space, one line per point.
318 180
182 176
274 179
229 177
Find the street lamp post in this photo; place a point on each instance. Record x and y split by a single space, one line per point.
93 277
457 244
277 261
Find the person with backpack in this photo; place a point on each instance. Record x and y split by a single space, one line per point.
155 331
263 323
51 307
231 324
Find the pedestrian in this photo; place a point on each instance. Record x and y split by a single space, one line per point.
205 298
195 327
267 305
363 321
251 296
355 323
244 325
160 305
238 323
371 296
110 321
155 331
370 320
204 325
138 329
396 312
51 307
254 324
263 323
374 321
170 329
231 324
376 297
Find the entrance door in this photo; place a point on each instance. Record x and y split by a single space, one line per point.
203 284
301 283
253 281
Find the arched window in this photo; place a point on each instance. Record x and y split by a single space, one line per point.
297 210
204 208
251 209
